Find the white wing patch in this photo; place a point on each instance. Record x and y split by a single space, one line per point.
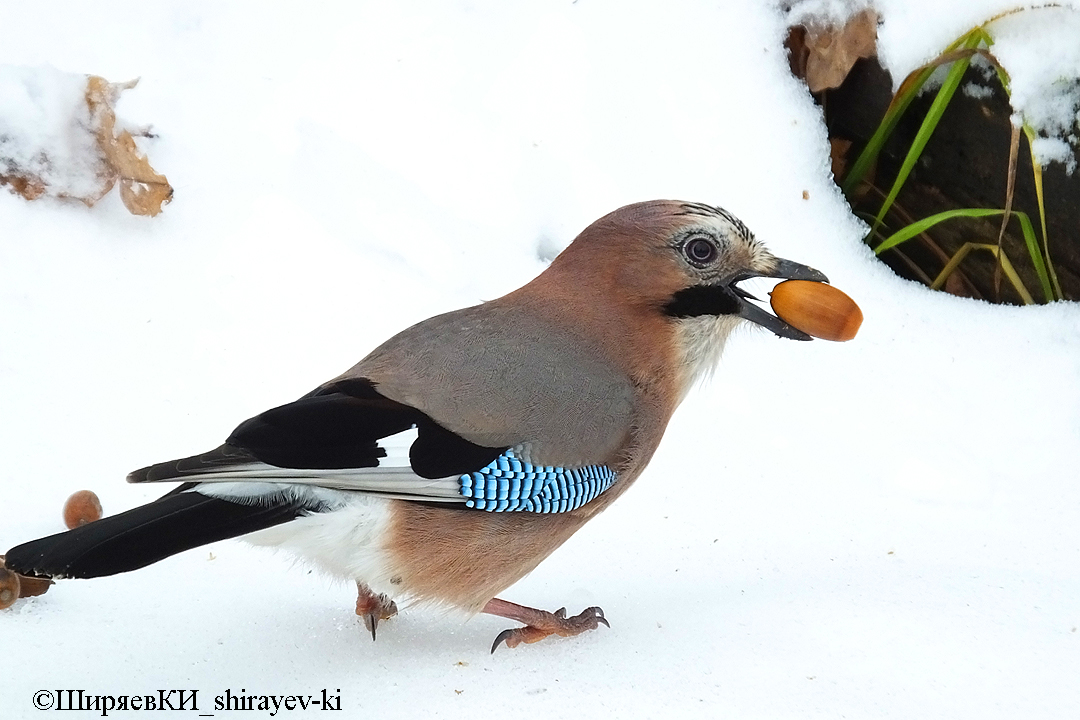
397 448
259 479
258 482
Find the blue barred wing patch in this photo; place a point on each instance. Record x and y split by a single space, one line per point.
511 484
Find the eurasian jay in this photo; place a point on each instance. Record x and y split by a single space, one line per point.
460 453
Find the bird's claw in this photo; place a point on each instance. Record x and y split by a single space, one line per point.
552 623
373 607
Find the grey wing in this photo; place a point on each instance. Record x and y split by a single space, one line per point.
499 377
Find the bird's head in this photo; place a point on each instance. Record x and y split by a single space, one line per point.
684 260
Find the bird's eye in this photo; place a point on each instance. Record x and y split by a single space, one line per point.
700 251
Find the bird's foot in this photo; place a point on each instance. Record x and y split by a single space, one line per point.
373 607
539 624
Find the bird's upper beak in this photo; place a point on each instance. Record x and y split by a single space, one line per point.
787 270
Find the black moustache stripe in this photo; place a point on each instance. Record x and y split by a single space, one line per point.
702 300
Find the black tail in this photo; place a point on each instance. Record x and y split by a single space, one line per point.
144 535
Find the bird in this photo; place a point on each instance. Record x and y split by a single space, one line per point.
450 461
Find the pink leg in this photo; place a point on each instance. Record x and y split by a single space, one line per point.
373 607
540 623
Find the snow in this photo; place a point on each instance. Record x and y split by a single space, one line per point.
888 527
1045 86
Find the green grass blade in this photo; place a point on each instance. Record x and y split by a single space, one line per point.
1036 171
910 231
1036 256
899 105
929 124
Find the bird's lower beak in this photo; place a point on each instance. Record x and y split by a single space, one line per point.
787 270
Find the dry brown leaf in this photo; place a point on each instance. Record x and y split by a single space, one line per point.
797 51
838 154
142 189
830 52
838 150
144 198
30 586
115 158
26 184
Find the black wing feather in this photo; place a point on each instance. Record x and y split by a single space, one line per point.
333 427
324 432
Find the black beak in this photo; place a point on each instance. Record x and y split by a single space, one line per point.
787 270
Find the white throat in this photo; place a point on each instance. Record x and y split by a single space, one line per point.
701 340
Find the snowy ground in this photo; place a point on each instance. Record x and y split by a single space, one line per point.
884 528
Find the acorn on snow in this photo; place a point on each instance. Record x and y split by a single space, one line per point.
81 508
